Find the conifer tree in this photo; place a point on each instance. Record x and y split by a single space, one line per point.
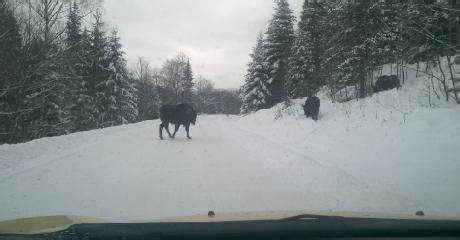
255 92
122 108
187 83
306 73
11 97
277 47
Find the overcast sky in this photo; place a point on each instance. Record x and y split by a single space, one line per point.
217 35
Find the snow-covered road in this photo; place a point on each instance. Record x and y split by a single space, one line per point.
126 173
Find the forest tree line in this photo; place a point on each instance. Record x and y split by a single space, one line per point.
62 70
157 86
340 44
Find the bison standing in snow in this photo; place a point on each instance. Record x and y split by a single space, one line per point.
386 82
182 114
311 107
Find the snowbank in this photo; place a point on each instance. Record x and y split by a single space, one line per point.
400 141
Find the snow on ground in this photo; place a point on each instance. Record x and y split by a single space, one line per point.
393 153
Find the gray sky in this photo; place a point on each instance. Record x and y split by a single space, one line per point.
217 35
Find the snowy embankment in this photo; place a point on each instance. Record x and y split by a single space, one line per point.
391 153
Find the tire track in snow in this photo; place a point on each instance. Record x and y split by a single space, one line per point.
262 149
335 170
214 129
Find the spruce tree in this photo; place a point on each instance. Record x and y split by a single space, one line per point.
85 111
187 83
255 92
278 43
350 51
305 73
55 95
11 84
129 100
75 59
99 85
73 29
123 107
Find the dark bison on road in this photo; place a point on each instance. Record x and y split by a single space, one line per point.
385 83
311 107
182 114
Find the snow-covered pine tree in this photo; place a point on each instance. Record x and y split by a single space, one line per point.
56 111
85 112
187 84
255 92
298 70
305 62
11 99
110 88
129 101
386 45
332 57
350 51
454 24
75 55
123 108
73 30
100 85
278 43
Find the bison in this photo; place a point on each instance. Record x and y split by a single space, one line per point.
182 114
311 107
385 83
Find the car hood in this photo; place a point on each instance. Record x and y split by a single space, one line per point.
48 224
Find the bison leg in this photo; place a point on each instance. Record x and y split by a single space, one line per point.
176 128
164 125
167 129
187 128
161 131
315 116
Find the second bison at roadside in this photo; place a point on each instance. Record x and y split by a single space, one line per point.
182 114
385 83
311 107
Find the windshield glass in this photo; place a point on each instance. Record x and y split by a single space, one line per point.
142 110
